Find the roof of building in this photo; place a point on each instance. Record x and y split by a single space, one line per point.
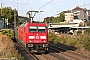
68 11
23 17
78 8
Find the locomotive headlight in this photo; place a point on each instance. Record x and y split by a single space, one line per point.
30 40
30 45
42 37
45 45
43 40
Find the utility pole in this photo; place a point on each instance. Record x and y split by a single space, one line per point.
17 8
84 5
15 29
0 10
84 8
84 12
15 18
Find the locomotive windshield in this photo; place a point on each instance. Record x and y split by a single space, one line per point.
32 28
41 29
37 29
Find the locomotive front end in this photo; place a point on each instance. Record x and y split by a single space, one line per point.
37 38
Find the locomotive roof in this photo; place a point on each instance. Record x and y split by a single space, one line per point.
37 24
22 25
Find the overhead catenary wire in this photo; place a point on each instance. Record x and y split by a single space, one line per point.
40 8
46 4
43 6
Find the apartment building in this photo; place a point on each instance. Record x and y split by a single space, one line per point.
69 17
80 13
89 15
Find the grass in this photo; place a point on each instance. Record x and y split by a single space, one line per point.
81 42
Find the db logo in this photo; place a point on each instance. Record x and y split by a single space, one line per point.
37 37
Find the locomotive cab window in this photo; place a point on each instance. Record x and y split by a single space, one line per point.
37 29
41 29
32 29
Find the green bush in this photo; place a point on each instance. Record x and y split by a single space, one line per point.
87 31
87 46
8 32
88 23
53 37
80 41
70 40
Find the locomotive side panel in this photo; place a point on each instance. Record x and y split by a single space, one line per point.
21 35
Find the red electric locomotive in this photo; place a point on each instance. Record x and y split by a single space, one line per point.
34 36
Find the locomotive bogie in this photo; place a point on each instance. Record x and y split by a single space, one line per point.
37 47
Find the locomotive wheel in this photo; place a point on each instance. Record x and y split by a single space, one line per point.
29 49
46 52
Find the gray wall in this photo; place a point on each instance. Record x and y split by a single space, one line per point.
1 24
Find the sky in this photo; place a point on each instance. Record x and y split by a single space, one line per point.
51 9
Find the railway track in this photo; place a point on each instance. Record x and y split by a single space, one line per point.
69 54
25 53
57 55
29 56
46 57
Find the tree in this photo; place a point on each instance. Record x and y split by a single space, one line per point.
8 13
20 21
49 19
46 20
61 17
52 19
